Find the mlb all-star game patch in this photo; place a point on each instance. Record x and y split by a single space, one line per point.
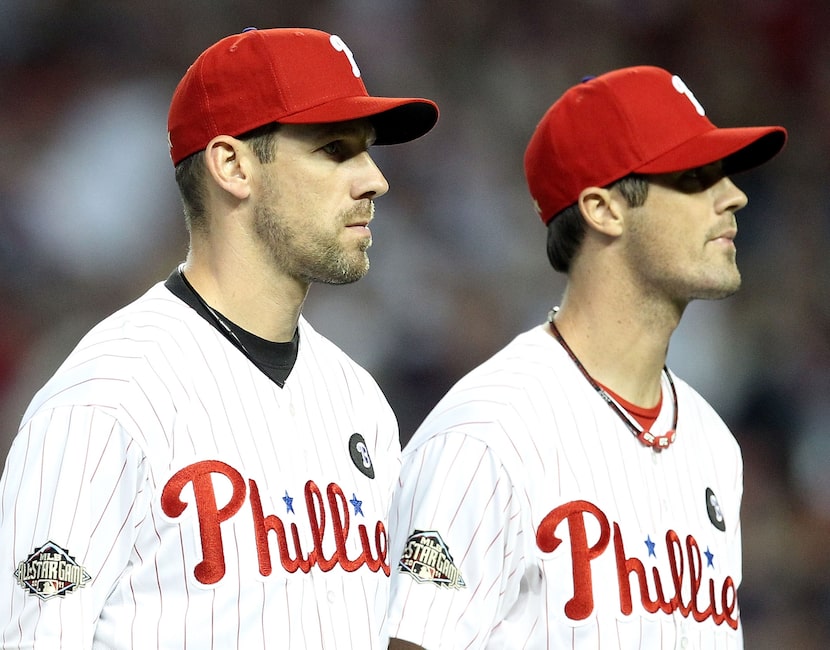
50 571
427 559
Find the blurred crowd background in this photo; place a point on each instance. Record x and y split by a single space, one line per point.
90 217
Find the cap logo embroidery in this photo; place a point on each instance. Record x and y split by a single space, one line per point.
338 44
681 87
50 571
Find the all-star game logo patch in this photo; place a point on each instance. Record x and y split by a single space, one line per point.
50 571
427 559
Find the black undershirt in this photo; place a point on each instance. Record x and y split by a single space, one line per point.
276 360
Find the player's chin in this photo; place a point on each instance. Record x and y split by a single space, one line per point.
720 289
348 271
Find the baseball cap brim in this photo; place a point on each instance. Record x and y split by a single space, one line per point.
740 149
396 120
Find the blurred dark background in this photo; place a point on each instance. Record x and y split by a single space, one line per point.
89 214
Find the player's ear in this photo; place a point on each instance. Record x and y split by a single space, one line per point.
602 210
229 164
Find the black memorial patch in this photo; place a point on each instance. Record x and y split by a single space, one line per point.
714 511
359 452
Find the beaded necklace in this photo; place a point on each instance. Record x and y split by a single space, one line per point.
646 437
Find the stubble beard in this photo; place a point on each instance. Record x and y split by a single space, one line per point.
720 292
724 282
709 286
316 256
713 280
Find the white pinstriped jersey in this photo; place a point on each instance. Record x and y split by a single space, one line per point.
528 516
163 493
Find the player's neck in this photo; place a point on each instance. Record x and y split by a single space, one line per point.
270 310
618 346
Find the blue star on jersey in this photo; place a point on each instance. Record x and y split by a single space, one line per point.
289 503
357 504
650 545
710 558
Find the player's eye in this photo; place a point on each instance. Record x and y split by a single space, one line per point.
336 149
696 179
700 179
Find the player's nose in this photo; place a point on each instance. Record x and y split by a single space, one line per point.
369 183
730 197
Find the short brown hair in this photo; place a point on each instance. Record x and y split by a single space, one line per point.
190 174
567 229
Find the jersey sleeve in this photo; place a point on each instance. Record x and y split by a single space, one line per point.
456 545
72 493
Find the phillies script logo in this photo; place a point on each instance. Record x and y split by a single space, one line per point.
319 508
685 563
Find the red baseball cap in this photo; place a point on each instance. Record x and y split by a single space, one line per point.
639 120
291 76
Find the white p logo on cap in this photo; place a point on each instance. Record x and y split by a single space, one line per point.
681 87
338 44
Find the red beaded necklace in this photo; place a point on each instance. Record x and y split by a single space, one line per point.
658 443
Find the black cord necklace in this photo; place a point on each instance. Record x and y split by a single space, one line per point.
220 323
277 373
646 437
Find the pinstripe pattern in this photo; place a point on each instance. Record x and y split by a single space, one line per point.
154 390
521 436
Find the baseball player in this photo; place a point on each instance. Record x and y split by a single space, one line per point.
572 491
205 470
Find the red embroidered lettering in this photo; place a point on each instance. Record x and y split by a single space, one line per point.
262 525
683 560
728 604
212 567
677 567
695 578
380 562
317 519
729 601
339 508
626 566
335 507
582 604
